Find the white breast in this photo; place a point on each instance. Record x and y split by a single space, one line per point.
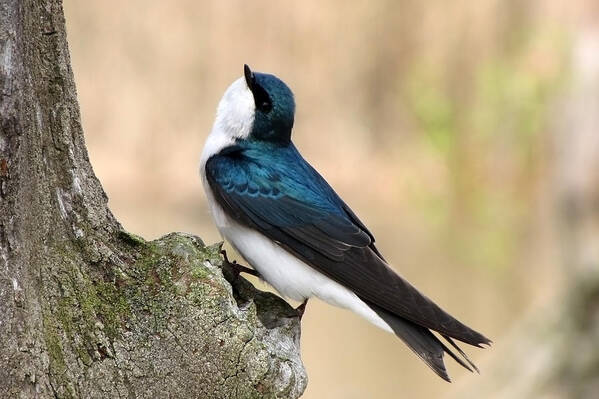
290 276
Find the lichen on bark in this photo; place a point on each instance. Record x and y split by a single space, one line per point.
170 314
87 309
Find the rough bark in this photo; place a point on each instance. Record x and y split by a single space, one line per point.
87 309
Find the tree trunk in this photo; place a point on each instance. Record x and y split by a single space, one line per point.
87 309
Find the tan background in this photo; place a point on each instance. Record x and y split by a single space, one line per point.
432 120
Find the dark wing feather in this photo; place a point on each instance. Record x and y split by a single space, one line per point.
289 202
423 343
270 200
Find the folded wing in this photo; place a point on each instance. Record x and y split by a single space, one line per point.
285 199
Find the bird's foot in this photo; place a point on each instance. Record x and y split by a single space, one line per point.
301 309
237 268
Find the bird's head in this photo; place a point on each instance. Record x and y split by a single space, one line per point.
257 106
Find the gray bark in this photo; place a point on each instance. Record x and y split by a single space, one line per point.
87 309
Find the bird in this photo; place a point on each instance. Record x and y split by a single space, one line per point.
300 237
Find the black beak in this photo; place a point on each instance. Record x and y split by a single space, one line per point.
250 79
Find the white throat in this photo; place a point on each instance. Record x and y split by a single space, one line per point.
288 274
234 119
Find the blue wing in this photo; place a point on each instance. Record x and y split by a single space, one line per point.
284 193
275 191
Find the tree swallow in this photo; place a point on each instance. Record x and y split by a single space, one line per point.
281 215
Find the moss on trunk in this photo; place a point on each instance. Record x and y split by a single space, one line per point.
86 309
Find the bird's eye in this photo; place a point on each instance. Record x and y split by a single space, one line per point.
265 106
262 99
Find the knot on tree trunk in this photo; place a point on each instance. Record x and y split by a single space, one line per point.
166 322
90 311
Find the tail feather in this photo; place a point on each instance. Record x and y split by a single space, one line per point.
461 352
424 343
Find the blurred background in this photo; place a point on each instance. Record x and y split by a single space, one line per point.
463 133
